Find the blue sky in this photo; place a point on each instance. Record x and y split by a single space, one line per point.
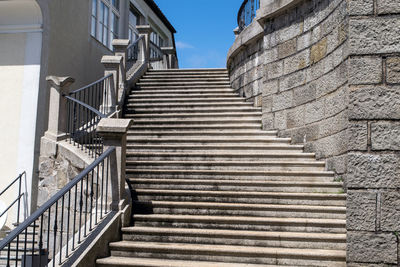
204 30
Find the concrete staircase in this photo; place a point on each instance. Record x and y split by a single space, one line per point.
213 189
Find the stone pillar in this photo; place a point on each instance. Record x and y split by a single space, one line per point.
169 53
57 126
114 133
120 46
112 65
145 30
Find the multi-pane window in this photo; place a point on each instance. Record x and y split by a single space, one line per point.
105 20
133 21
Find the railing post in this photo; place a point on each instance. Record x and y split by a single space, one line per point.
112 65
57 125
120 46
169 53
145 30
114 133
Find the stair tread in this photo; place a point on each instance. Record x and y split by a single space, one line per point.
154 262
247 250
199 162
234 233
246 206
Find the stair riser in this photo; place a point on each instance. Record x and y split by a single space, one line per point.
187 95
188 122
254 158
248 212
202 116
255 188
280 242
169 110
266 259
200 148
247 177
189 88
219 167
133 93
211 101
239 199
150 107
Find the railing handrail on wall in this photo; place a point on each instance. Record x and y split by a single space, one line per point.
247 13
98 170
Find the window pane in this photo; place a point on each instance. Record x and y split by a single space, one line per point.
115 3
93 27
94 8
132 19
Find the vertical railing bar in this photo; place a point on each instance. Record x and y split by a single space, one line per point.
97 193
80 213
86 202
62 227
102 189
41 240
25 244
91 203
108 163
33 239
55 235
68 221
73 230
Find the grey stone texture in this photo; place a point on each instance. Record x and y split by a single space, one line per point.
358 136
361 7
367 247
385 135
365 70
390 211
393 70
361 210
388 6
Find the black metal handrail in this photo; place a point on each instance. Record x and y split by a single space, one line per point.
86 106
156 53
60 225
133 51
247 13
17 199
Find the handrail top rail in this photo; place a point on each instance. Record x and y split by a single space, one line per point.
135 42
98 113
13 182
93 83
39 212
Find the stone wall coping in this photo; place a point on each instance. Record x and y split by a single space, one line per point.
168 50
113 126
255 30
60 81
111 59
121 42
144 29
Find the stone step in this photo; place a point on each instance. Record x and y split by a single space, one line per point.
242 223
226 253
153 262
239 209
237 185
187 100
190 79
173 72
135 92
195 127
217 147
229 165
219 156
308 176
193 105
208 140
181 95
238 133
235 237
249 197
188 87
152 110
141 84
185 76
177 116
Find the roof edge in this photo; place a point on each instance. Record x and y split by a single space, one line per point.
160 14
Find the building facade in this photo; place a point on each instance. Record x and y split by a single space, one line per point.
61 38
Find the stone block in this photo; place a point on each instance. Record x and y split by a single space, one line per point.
287 48
390 211
388 7
274 70
292 80
295 117
297 62
318 51
331 81
377 102
361 210
267 103
336 102
268 121
282 101
360 7
385 135
304 41
333 145
280 120
338 164
373 171
290 32
302 134
358 136
393 70
304 94
365 70
375 35
270 55
367 247
334 124
315 111
270 87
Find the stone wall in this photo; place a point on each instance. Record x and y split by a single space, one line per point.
373 179
328 72
299 65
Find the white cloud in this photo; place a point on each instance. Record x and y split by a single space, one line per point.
182 45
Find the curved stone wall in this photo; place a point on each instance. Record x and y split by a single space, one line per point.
299 66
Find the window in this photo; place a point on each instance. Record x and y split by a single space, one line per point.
133 21
105 20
